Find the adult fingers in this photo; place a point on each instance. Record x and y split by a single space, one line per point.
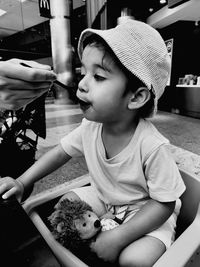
7 83
14 94
17 71
15 101
30 63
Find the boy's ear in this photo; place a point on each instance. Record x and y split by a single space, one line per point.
139 98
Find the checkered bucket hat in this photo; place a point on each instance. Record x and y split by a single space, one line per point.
141 49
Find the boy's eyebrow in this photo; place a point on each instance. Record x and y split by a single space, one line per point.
104 68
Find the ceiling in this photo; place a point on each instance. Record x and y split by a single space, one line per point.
19 16
22 15
188 11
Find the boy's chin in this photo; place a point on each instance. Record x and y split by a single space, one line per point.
89 115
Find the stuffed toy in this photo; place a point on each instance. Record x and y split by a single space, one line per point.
75 226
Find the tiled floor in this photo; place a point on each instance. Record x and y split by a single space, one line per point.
60 120
183 133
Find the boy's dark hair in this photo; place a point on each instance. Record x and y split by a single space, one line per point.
133 81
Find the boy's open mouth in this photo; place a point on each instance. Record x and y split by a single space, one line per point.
84 105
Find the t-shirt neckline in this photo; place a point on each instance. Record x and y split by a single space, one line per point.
125 152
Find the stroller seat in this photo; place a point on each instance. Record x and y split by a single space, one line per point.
185 251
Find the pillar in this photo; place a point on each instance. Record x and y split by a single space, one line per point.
62 51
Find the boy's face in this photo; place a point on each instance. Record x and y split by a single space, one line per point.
101 87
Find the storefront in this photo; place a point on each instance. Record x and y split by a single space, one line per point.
182 95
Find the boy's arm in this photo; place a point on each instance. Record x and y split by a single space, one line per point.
45 165
49 162
152 215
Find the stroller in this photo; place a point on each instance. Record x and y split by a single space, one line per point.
19 134
27 240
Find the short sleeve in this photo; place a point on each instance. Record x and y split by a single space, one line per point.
72 143
164 181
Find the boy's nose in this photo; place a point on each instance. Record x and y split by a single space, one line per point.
82 85
97 224
81 89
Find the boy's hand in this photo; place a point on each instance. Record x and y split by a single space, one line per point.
10 187
107 245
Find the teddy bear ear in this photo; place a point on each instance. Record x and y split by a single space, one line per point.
54 216
60 227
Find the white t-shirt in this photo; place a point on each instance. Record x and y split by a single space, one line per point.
143 169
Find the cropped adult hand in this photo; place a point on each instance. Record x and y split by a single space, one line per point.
10 187
20 85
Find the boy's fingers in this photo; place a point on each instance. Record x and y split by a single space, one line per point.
2 188
9 193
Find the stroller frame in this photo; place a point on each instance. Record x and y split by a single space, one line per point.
185 251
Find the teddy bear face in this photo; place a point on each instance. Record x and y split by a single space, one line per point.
73 224
88 225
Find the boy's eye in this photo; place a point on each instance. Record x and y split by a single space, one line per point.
99 78
84 224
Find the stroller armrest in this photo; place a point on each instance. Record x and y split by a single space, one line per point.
55 192
185 247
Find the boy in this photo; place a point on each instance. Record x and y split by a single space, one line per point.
125 71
